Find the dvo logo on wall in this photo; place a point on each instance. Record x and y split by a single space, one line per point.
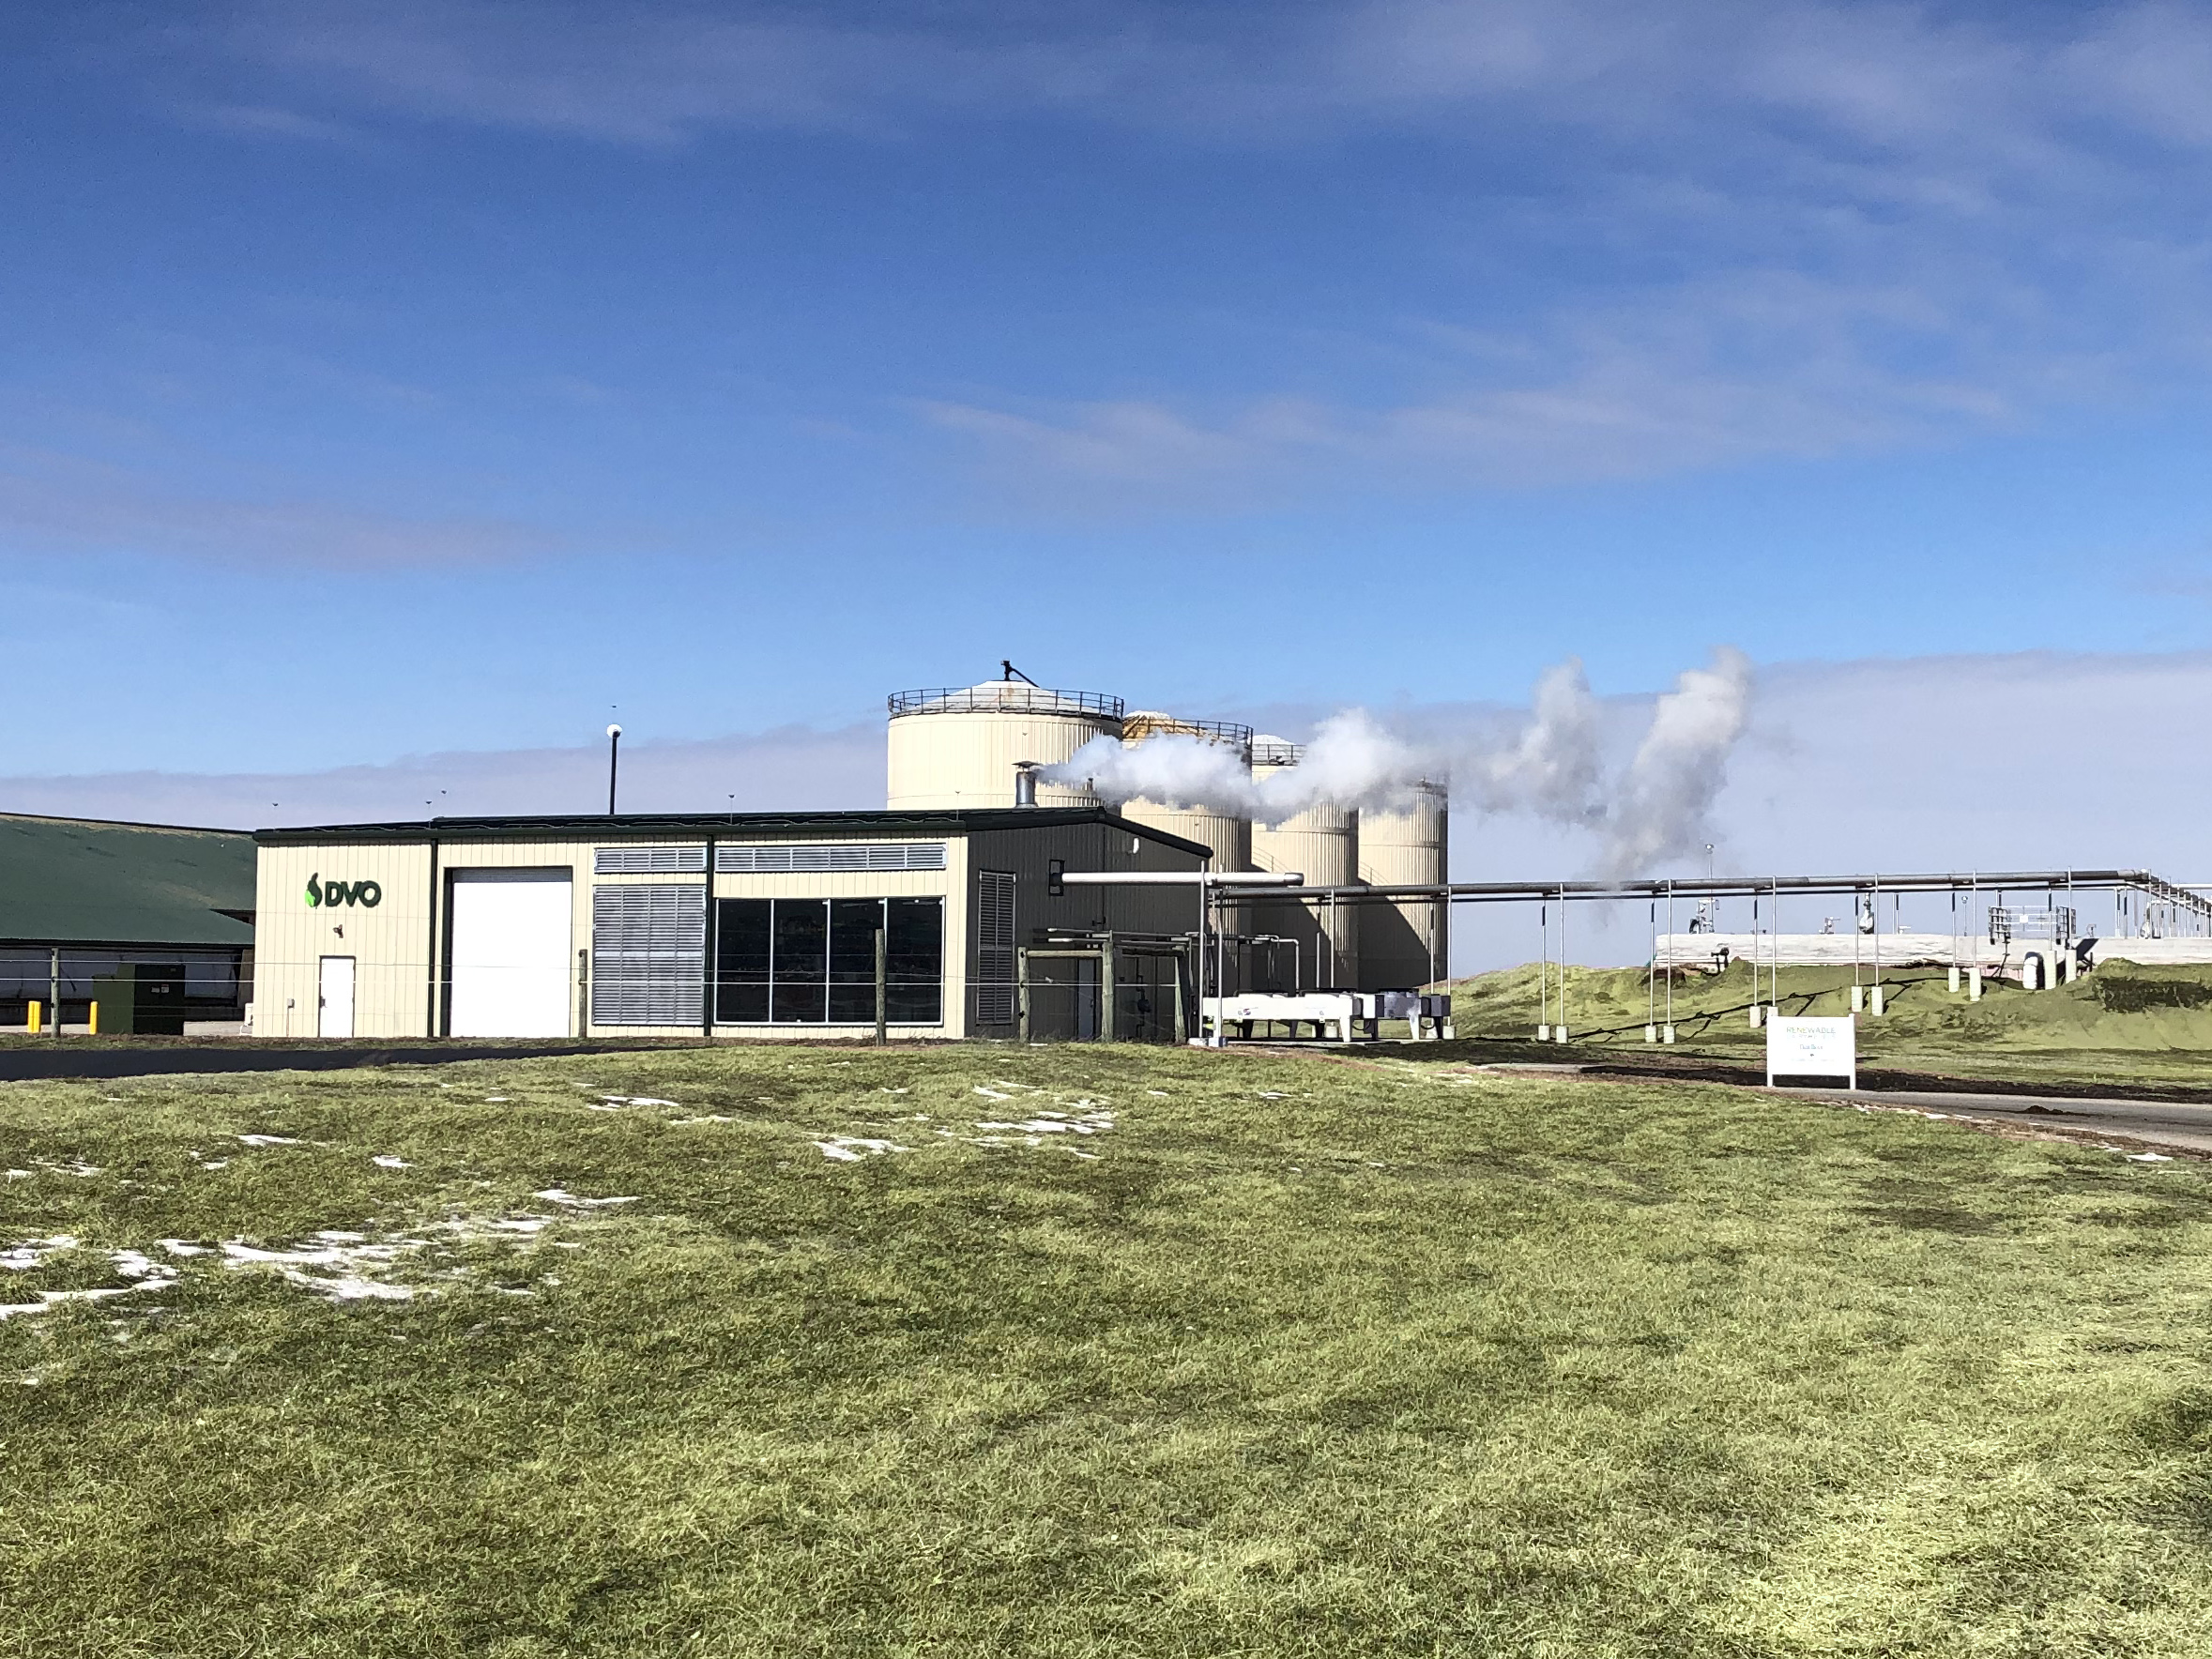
365 893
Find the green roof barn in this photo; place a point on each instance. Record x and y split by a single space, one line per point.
154 921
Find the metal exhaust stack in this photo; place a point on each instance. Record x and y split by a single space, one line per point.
1025 783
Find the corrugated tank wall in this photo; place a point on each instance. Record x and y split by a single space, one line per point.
1407 944
1323 842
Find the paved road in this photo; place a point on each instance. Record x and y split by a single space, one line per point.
2156 1122
20 1065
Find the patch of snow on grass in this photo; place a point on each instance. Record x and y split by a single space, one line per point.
2148 1158
68 1166
346 1258
134 1265
557 1196
711 1117
851 1149
31 1251
385 1161
1093 1123
48 1299
266 1140
992 1093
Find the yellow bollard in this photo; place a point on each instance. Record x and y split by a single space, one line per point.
92 1021
38 1009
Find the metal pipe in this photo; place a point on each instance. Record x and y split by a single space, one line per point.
1722 887
1213 884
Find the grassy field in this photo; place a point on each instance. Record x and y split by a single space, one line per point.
1084 1352
2118 1023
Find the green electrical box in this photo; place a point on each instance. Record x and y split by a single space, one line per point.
142 999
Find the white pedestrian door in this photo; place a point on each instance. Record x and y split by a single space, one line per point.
334 998
509 934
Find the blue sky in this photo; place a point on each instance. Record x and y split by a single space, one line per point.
379 381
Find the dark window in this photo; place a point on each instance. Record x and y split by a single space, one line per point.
852 958
915 971
802 960
741 961
813 961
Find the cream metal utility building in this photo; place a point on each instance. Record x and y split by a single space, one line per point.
743 924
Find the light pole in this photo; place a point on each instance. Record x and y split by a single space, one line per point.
614 756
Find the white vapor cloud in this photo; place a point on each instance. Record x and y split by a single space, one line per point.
1552 767
1666 800
2034 761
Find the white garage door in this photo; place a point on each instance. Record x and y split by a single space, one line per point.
512 972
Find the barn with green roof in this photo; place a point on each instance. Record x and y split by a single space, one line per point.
155 921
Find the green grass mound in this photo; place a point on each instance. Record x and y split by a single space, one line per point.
1083 1352
2117 1007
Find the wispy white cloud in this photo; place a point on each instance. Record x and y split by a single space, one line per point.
787 770
1894 76
51 501
1713 372
1901 223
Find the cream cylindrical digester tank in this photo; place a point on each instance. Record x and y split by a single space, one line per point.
1407 944
1226 831
960 746
1322 842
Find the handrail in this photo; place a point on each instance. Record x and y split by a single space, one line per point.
1003 697
1143 725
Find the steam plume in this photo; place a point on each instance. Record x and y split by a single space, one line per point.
1554 769
1680 766
1550 765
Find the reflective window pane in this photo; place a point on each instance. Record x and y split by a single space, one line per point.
741 961
801 968
915 942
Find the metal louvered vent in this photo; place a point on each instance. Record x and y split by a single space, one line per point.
994 952
650 860
648 954
807 856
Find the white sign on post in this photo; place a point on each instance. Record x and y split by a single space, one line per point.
1824 1048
